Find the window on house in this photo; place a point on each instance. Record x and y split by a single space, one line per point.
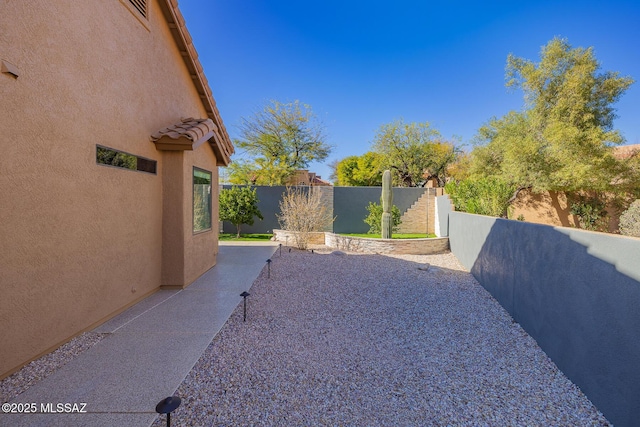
201 200
120 159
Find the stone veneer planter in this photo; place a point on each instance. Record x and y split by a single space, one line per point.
387 246
289 237
370 245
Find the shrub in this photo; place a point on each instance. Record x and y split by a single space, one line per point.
591 212
374 219
630 220
484 196
303 213
239 205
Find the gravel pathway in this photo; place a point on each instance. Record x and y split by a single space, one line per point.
368 340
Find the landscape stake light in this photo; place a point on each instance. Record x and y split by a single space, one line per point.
269 268
167 406
280 248
244 295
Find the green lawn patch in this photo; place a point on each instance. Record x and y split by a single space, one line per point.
393 236
245 237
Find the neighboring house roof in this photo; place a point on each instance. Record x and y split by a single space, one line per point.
304 177
219 139
319 181
626 151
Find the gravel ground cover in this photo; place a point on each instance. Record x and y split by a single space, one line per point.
368 340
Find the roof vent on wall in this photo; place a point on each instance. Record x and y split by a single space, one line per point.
140 5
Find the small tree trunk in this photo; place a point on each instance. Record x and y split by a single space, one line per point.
238 229
515 194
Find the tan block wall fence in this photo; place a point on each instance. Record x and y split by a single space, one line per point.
420 217
80 241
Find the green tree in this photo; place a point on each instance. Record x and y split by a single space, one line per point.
483 196
239 205
359 171
461 168
279 139
414 152
260 171
564 138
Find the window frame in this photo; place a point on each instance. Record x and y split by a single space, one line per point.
154 162
193 200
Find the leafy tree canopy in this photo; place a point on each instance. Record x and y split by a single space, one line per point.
414 152
564 137
239 205
359 171
279 139
259 171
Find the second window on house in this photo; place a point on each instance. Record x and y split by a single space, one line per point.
201 200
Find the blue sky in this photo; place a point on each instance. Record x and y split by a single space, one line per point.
361 64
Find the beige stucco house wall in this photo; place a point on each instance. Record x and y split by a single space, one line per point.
81 241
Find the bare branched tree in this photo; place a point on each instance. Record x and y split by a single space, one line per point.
303 212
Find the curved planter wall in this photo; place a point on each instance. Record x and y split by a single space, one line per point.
387 246
289 237
369 245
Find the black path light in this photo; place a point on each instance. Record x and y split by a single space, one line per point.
167 406
269 268
244 295
280 248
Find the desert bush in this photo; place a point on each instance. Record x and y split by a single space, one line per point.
374 219
303 212
484 196
630 220
591 212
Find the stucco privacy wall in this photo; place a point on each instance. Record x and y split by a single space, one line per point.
349 207
442 210
82 241
269 204
577 293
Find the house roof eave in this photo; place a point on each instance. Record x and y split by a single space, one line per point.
220 140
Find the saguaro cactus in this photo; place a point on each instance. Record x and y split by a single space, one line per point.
386 199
